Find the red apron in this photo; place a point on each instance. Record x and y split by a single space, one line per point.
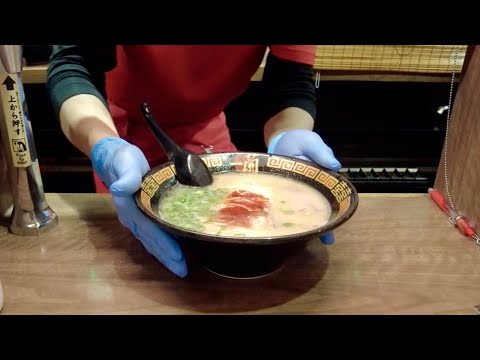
188 88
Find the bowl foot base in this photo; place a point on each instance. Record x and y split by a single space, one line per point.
244 277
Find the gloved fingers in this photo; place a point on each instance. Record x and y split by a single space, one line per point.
128 168
158 240
176 266
303 157
317 151
327 238
128 183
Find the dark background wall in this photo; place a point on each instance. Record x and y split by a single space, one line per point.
368 124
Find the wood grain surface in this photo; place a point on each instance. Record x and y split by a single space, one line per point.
463 150
397 255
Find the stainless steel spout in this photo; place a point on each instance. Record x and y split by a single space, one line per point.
30 213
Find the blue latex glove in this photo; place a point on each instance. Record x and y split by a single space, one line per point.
121 166
306 145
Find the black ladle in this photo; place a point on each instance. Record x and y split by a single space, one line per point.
189 167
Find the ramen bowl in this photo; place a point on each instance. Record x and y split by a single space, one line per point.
243 256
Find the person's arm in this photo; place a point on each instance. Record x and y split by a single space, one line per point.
291 100
289 91
76 87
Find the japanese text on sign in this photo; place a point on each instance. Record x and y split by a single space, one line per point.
14 119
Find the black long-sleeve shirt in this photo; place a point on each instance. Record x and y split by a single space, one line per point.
80 69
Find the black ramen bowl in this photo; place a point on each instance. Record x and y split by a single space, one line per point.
247 257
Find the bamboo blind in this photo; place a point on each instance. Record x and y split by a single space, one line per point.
431 59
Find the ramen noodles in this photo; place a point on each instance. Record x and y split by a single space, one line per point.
246 205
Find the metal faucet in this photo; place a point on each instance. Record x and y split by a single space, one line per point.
24 205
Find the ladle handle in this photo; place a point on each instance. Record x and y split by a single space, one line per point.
167 144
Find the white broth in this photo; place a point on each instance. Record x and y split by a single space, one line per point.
247 205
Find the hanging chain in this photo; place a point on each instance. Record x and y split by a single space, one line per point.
447 127
477 239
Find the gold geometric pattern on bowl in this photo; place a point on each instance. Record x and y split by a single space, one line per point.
164 175
213 161
278 163
326 180
343 207
305 170
341 191
150 186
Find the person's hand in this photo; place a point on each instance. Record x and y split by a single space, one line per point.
306 145
122 166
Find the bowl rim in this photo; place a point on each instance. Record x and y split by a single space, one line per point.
261 240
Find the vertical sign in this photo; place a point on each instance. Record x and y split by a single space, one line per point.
15 124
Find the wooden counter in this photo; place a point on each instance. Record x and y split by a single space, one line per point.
397 255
